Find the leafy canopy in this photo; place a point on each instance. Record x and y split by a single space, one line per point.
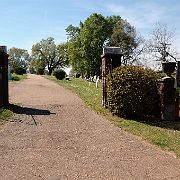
52 55
18 58
85 42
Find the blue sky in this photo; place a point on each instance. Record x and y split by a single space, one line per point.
26 22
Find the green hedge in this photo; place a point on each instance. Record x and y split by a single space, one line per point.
59 74
132 91
20 70
40 71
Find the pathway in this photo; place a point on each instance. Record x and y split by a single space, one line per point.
55 137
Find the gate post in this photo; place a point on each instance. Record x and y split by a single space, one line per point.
4 97
104 95
111 59
168 93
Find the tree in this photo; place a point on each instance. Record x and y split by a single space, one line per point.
18 58
72 32
161 42
124 35
85 43
50 53
93 35
62 53
37 66
75 48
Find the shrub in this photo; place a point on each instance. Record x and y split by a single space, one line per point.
20 70
32 70
59 74
132 91
15 78
78 75
40 71
11 70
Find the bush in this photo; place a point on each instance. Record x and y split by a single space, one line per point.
59 74
32 70
132 91
78 75
40 71
20 70
15 78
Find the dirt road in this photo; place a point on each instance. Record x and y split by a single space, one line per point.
55 137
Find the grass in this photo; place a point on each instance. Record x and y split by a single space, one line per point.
87 91
5 114
164 134
16 77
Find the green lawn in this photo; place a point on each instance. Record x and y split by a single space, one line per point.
16 77
164 134
6 113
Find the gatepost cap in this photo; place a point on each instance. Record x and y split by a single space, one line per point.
3 49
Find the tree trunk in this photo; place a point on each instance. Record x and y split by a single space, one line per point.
50 71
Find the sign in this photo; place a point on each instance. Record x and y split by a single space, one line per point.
112 50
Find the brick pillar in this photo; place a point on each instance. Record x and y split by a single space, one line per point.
104 95
4 97
167 98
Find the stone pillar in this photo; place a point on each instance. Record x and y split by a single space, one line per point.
167 98
4 97
111 59
168 93
104 93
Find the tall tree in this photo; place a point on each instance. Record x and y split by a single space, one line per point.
161 43
37 66
51 54
85 42
72 32
93 34
75 49
18 58
124 35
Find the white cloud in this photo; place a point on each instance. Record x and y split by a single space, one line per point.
126 13
142 14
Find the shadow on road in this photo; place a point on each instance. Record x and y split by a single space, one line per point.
28 111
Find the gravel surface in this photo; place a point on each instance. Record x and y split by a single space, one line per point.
54 136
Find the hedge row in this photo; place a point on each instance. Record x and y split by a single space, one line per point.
59 74
132 91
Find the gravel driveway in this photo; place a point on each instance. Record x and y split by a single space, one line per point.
54 136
